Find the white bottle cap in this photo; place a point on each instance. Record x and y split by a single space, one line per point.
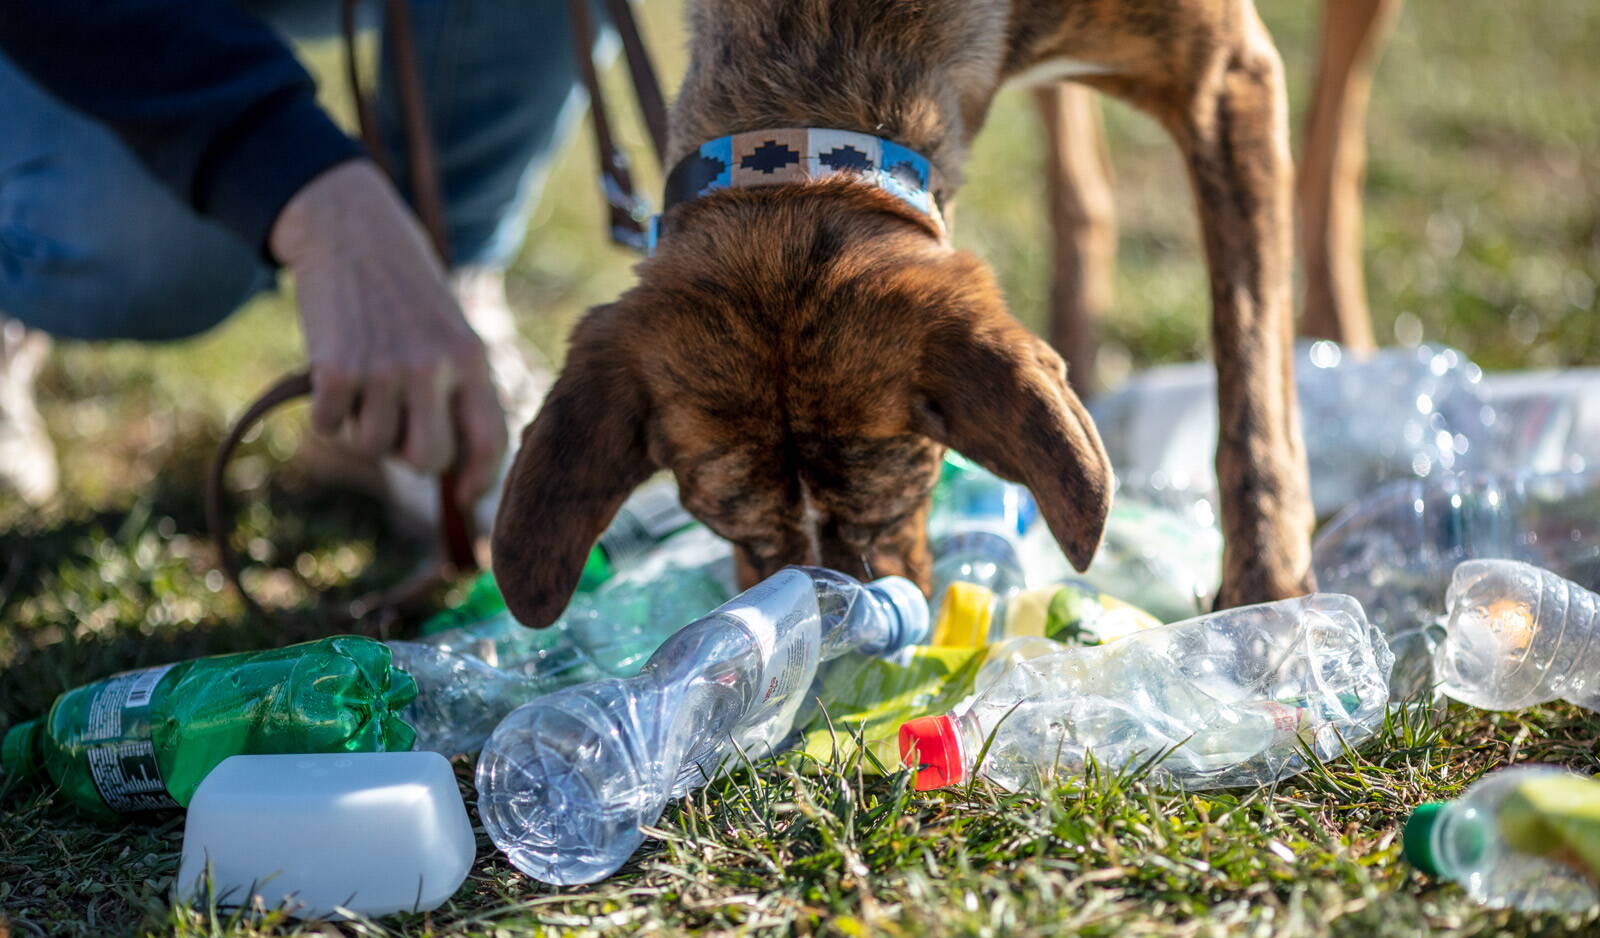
371 833
907 600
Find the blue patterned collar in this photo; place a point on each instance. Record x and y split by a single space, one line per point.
776 157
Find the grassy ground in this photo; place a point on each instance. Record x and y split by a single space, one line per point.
1484 232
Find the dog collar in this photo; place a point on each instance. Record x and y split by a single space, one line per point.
777 157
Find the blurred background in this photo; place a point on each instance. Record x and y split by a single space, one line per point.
1482 232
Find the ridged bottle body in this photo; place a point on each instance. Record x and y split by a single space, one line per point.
1519 636
566 782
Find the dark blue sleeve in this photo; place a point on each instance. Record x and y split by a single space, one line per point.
207 96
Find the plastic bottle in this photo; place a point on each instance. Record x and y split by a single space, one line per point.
611 631
567 781
144 740
1165 561
1230 698
461 698
1519 636
1400 413
1396 549
1075 611
1527 837
649 518
971 498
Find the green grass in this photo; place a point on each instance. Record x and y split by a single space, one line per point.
1483 232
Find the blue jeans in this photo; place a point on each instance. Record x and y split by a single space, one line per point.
92 247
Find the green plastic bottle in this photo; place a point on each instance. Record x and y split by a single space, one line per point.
144 740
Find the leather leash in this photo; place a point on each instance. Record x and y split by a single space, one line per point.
629 215
456 534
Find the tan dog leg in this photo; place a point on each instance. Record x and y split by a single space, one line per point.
1083 222
1331 169
1232 129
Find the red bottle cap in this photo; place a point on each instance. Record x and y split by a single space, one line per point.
933 746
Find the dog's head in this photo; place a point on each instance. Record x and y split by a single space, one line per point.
798 358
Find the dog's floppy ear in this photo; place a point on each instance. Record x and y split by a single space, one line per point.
579 460
997 394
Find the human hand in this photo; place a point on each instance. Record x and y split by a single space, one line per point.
394 365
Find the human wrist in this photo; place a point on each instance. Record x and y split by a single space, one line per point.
313 223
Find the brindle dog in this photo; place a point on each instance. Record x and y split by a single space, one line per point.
799 356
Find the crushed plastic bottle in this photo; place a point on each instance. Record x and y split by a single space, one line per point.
611 631
1396 549
1400 413
971 616
144 740
1230 698
1519 636
1544 421
645 522
1162 560
567 781
971 498
1525 837
460 698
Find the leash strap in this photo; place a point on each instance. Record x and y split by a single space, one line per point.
629 215
456 533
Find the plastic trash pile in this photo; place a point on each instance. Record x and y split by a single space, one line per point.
1460 562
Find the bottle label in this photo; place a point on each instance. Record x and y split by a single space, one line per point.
645 520
781 613
116 743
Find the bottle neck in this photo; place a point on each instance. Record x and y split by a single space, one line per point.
22 751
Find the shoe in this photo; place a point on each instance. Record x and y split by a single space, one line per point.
27 458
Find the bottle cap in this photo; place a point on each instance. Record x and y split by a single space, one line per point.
19 753
907 599
1417 841
964 616
932 745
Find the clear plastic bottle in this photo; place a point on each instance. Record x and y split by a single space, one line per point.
970 497
1519 636
1163 560
567 781
981 558
1399 413
1396 549
1073 610
1514 840
460 698
611 631
1234 696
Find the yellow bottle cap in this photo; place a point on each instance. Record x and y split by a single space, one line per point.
964 616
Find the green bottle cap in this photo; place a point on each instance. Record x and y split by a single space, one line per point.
19 753
596 570
1417 841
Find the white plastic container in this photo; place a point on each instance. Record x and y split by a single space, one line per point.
321 835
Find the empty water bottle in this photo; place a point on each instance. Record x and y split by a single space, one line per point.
1519 636
1526 837
1400 413
1229 699
460 698
1163 560
971 498
611 631
1396 549
971 616
1544 421
567 781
